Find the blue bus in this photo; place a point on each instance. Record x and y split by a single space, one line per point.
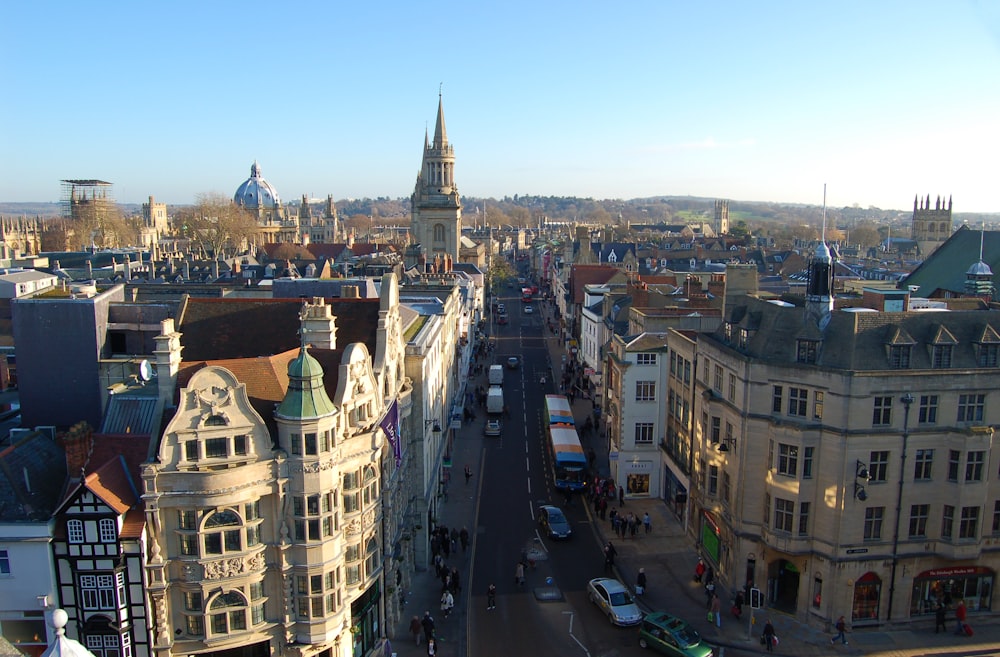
569 463
558 411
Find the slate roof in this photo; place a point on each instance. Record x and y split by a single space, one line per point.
584 275
131 413
859 341
215 329
946 267
32 475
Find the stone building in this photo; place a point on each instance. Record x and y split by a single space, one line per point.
436 221
931 226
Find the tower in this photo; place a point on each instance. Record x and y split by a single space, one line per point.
436 220
721 222
819 290
931 226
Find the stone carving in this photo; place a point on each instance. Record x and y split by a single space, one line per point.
225 568
353 528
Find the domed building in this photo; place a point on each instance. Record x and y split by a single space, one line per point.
259 197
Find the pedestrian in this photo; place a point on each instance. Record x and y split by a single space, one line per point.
415 629
640 582
447 602
428 624
463 537
940 618
468 474
841 627
621 496
647 522
699 569
716 610
709 593
456 582
768 635
491 596
960 617
609 556
614 524
431 648
738 602
519 573
710 575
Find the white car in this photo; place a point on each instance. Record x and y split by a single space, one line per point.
528 310
493 427
615 601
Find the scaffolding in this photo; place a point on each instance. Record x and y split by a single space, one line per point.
86 199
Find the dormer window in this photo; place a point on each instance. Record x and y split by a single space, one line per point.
899 356
988 355
727 331
807 351
941 356
744 338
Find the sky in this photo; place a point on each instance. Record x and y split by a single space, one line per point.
754 101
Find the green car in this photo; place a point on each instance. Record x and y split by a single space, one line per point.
671 636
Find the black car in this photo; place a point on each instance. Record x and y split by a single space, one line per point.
554 521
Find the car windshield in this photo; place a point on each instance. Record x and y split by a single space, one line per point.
687 636
556 516
620 598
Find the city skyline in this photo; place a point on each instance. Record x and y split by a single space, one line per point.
765 103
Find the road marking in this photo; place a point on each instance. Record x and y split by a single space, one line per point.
573 636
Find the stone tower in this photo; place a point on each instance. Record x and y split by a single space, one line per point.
436 220
721 223
931 226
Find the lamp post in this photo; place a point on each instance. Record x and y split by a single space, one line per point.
907 400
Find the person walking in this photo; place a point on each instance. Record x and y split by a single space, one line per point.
519 573
647 522
716 610
841 627
640 582
468 474
960 617
431 648
699 570
491 596
609 556
416 630
709 594
428 624
621 497
940 618
447 603
769 635
463 538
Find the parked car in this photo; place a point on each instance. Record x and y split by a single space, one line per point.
554 521
493 427
670 635
615 601
513 362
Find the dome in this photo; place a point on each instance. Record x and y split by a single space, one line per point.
979 269
256 193
823 252
306 397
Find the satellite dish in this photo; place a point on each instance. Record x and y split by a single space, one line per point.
145 370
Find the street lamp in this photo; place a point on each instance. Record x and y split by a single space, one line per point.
437 425
724 445
907 401
860 472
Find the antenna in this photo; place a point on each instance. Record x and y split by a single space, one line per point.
982 236
823 234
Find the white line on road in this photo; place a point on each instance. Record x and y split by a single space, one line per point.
573 636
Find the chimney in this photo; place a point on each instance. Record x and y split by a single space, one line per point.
349 292
168 360
319 326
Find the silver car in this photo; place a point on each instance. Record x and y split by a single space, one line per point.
615 600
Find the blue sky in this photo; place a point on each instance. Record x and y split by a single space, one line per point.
747 101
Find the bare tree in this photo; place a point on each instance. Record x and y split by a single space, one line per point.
218 225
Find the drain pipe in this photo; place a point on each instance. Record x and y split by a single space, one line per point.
907 400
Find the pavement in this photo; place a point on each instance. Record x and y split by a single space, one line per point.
668 555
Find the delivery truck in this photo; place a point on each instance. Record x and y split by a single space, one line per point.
496 375
494 400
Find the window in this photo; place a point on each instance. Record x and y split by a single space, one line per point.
107 530
4 563
803 518
713 480
882 412
974 465
645 359
989 355
941 356
717 378
313 517
643 433
730 440
928 409
228 613
807 462
873 522
98 591
899 356
878 466
776 399
918 520
191 450
996 519
968 525
732 387
716 429
727 487
701 473
744 338
788 459
187 519
784 513
953 458
295 442
645 391
240 445
970 407
192 600
353 558
767 509
222 533
806 352
74 531
194 625
311 445
818 398
798 401
922 464
216 448
947 521
106 643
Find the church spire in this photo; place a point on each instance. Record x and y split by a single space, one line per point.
440 134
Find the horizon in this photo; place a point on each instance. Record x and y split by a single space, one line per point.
746 103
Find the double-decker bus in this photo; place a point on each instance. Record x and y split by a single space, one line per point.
526 294
558 411
569 463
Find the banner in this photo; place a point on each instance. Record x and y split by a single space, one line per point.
390 425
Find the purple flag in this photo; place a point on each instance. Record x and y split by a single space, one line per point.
390 425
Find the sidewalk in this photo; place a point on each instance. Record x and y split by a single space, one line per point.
668 554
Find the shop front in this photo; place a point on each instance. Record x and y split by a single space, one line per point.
867 596
638 477
948 586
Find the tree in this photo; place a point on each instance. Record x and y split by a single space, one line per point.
865 235
218 225
740 229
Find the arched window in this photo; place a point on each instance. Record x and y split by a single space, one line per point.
215 421
228 613
438 232
74 531
371 556
222 533
369 484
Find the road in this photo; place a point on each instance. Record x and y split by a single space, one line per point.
515 482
